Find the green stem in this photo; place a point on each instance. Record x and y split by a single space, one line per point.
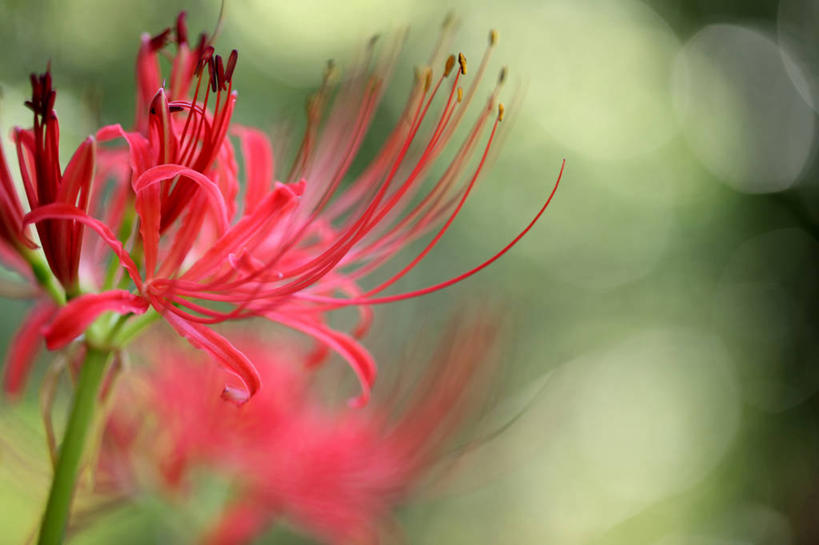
55 519
44 277
126 333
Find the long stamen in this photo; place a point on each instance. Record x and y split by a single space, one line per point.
336 303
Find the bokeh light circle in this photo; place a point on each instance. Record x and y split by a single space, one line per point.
596 73
798 32
741 113
651 415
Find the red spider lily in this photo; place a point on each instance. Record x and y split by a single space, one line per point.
13 243
336 474
45 183
12 234
295 249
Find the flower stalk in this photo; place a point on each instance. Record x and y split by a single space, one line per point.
44 277
55 519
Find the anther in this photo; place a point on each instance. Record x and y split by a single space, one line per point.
450 63
231 65
462 63
427 79
330 72
205 54
220 73
500 111
493 37
373 40
460 94
212 73
502 76
201 43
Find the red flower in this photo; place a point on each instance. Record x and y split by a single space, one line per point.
335 473
294 249
45 183
12 235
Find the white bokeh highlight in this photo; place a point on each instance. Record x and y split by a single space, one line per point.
798 32
741 113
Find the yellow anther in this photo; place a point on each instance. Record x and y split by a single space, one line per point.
330 72
493 37
422 73
427 79
460 94
450 63
462 62
500 111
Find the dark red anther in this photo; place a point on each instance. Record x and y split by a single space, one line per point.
231 65
158 42
220 72
205 53
212 74
181 29
42 95
201 42
52 98
174 108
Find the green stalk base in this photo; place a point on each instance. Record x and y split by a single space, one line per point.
55 519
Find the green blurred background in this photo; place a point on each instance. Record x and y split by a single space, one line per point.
662 348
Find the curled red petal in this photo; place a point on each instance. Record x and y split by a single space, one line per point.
139 147
75 317
160 173
347 347
24 347
68 212
220 348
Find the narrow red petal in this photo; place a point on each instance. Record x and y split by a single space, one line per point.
220 348
348 348
24 347
259 165
75 317
160 173
67 212
139 146
78 174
